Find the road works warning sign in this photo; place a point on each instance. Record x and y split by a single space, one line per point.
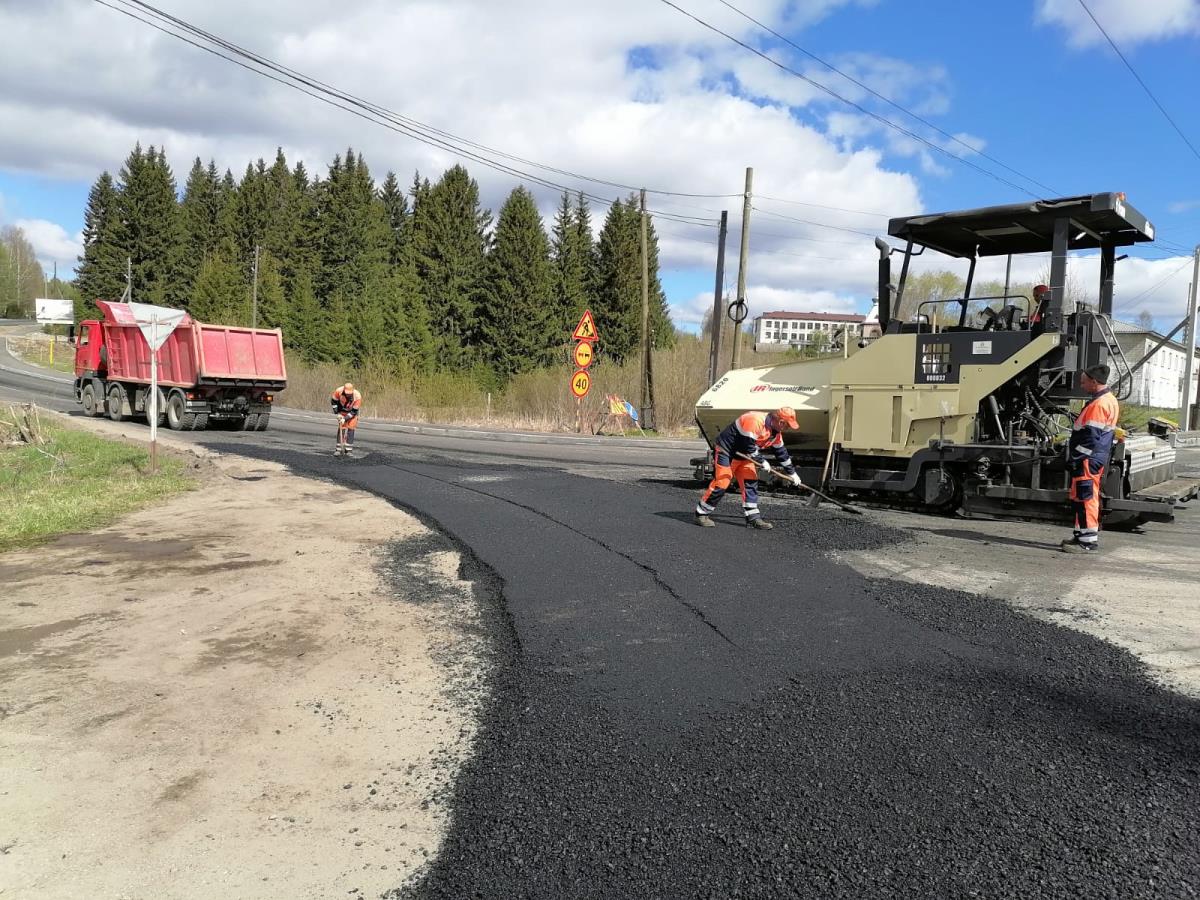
586 329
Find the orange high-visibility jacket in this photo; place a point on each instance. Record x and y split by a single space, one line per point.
750 435
1092 438
344 404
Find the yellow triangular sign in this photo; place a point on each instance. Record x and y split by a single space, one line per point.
586 329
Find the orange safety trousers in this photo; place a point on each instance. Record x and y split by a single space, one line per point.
726 470
1085 500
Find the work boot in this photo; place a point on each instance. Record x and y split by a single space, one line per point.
705 521
760 523
1074 546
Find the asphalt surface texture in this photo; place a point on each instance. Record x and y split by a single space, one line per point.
686 712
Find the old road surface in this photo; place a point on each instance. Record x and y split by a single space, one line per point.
725 713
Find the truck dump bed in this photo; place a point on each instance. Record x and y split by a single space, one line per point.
195 353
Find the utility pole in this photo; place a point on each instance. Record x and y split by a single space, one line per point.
647 409
1189 347
1007 274
254 292
718 316
128 298
745 251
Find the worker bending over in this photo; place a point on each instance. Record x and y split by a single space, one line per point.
738 453
1088 452
346 403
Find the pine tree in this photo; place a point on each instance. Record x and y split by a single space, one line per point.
395 207
273 309
306 334
662 330
204 218
450 246
150 228
618 302
101 272
570 288
517 316
588 253
220 293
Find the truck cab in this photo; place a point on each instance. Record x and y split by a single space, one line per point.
89 345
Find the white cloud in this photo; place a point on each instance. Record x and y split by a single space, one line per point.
52 244
1179 206
535 78
1127 22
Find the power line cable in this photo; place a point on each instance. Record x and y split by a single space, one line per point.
1133 72
885 99
378 109
857 212
831 92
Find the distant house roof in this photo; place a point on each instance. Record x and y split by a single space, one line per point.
815 316
1129 328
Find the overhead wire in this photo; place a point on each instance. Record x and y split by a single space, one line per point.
406 122
1133 72
831 92
908 112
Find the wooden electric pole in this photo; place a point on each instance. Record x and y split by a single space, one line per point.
745 252
647 407
718 316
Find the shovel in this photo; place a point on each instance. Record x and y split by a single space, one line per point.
838 503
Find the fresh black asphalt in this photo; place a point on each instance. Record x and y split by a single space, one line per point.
679 712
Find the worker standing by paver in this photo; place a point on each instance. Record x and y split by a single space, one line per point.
738 453
346 403
1088 452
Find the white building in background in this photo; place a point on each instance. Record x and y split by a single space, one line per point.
799 329
1160 381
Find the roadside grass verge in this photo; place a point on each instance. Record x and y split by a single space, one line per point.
36 352
75 482
1135 417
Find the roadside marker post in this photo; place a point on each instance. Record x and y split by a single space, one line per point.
156 323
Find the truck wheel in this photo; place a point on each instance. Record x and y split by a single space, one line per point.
176 412
115 403
249 422
263 420
201 422
87 398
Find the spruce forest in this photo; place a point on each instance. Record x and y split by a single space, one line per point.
414 279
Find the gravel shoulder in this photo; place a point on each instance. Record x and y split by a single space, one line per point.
262 688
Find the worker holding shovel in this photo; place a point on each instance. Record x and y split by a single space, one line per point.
738 453
346 403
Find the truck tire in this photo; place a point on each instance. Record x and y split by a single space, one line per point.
87 399
201 422
176 413
114 403
249 423
263 420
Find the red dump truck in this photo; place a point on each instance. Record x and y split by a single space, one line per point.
206 373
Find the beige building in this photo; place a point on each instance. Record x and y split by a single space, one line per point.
781 330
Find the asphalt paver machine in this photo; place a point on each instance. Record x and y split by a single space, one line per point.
965 404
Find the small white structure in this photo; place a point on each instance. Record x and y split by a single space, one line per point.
799 329
1160 381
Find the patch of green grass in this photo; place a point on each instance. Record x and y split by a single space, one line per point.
37 352
1135 417
76 482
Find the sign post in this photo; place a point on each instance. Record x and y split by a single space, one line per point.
156 324
49 311
584 354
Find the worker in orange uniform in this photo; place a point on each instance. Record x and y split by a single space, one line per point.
738 454
1088 453
346 403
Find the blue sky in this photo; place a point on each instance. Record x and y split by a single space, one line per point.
1032 80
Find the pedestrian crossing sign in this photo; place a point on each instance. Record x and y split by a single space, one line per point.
586 329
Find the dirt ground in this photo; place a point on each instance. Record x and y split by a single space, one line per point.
225 696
